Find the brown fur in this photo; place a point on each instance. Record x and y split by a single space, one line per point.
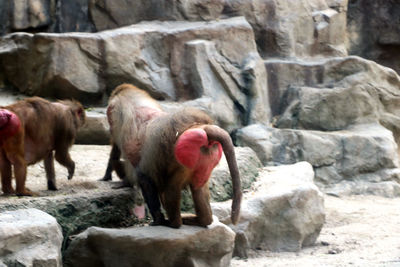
153 140
127 129
45 127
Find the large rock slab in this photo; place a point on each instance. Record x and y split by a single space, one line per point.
26 14
152 246
283 212
362 153
96 130
45 16
76 212
29 237
333 94
318 27
372 31
156 56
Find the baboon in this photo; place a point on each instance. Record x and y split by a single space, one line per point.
34 129
169 152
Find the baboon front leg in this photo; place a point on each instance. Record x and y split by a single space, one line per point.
63 157
201 199
50 173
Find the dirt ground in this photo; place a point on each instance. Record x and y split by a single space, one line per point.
359 230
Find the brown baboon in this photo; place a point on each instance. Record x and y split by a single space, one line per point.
169 152
31 130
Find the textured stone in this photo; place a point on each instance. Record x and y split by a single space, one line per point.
152 246
333 94
89 207
29 237
373 31
153 56
96 130
283 212
366 153
31 14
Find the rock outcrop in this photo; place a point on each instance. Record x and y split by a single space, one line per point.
153 246
172 60
96 130
373 31
360 158
29 237
275 73
333 94
284 211
75 212
318 27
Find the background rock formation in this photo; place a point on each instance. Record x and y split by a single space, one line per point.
306 80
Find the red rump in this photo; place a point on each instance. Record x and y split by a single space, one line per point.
195 151
9 124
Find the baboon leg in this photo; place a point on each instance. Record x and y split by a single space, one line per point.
20 176
108 174
62 156
115 155
6 175
201 200
50 173
172 205
15 153
119 168
150 194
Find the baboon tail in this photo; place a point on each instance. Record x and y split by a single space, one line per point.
218 134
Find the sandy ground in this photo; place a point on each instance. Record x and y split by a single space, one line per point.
359 230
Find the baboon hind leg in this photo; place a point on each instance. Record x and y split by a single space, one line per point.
114 163
201 200
151 197
50 173
6 174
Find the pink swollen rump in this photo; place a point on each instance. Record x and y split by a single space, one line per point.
4 117
195 151
9 124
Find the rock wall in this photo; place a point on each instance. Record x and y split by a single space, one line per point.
174 61
274 73
244 62
317 26
373 30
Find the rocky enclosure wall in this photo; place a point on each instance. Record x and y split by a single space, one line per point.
292 80
283 64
